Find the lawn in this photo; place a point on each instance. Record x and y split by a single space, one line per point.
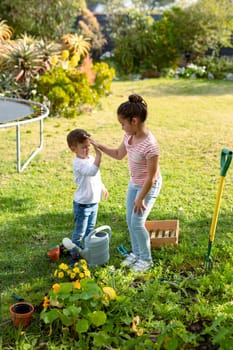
180 305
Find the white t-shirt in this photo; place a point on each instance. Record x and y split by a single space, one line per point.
87 178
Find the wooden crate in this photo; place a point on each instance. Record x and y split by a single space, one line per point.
163 232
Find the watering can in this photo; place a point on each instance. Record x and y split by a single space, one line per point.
96 246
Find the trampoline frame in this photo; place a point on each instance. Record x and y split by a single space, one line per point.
44 112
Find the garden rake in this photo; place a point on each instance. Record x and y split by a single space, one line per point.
225 161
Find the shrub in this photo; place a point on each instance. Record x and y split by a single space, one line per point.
67 90
103 79
134 39
218 67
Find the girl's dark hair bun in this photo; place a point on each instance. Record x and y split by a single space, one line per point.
137 99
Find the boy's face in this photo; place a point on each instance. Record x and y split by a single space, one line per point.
82 150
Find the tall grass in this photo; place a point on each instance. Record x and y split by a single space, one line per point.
192 120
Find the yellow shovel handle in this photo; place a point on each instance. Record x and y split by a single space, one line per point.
216 209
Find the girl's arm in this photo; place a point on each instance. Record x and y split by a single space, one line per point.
152 167
116 153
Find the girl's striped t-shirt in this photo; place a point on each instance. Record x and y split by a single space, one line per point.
138 154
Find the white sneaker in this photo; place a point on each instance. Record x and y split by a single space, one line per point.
130 260
141 266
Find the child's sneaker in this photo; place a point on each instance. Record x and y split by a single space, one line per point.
141 266
130 260
74 258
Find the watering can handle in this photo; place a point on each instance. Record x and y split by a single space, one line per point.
99 229
226 157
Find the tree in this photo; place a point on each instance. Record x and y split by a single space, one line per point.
201 26
115 5
45 18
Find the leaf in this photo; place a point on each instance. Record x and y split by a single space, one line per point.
50 316
98 318
82 326
72 310
66 320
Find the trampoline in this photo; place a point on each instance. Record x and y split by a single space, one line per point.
16 112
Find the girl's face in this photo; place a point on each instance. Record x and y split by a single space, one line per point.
130 127
82 150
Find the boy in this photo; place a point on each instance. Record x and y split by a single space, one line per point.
90 187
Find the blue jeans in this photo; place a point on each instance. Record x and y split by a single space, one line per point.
139 236
85 216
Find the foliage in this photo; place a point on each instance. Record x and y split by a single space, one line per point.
5 31
77 272
165 46
177 305
68 90
140 5
209 67
76 44
191 71
134 39
48 19
211 23
81 306
90 28
218 67
23 60
103 79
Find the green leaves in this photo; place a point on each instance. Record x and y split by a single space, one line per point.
97 318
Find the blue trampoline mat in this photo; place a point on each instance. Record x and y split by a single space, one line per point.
13 110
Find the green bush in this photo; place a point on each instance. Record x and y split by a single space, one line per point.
219 67
166 51
103 79
134 39
67 90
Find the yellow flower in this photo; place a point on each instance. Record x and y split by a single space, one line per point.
135 329
65 54
81 275
76 270
110 292
74 61
56 287
72 275
54 59
60 274
63 266
77 284
46 302
106 299
87 273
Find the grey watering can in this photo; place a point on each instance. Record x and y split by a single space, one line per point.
96 246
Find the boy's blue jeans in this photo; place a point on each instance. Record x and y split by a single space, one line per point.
139 236
85 216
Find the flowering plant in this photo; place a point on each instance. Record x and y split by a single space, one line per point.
191 71
78 271
79 304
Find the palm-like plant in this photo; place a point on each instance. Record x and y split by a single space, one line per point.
76 44
5 31
22 59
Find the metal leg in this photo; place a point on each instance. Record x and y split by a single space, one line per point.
20 167
18 156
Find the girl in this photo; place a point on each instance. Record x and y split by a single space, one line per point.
142 150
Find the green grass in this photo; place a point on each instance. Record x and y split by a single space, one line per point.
193 121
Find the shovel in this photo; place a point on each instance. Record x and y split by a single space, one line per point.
225 161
